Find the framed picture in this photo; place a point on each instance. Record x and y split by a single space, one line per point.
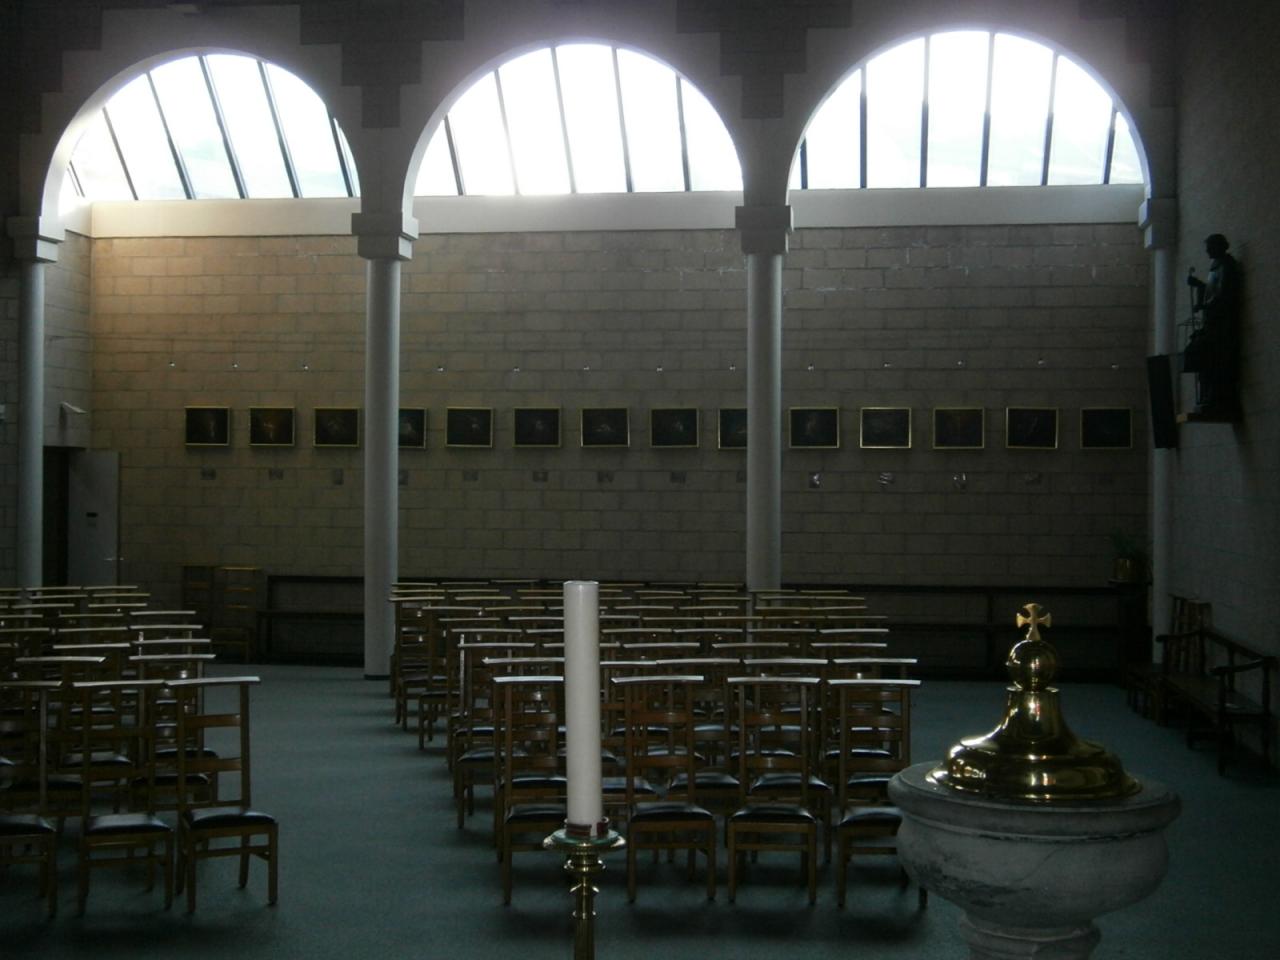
337 427
1106 428
1031 428
732 433
537 427
673 427
207 426
884 428
606 427
959 428
271 426
411 427
468 427
815 427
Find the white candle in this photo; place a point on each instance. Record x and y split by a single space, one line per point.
582 702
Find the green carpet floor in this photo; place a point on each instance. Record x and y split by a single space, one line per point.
373 866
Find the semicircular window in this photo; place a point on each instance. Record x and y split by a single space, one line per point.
213 127
579 118
966 109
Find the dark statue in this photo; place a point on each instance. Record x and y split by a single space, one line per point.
1213 351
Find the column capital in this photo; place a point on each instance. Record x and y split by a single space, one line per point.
763 229
1158 221
384 236
35 238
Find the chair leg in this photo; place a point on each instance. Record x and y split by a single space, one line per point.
273 858
711 863
191 882
842 869
732 865
811 862
244 862
631 873
168 871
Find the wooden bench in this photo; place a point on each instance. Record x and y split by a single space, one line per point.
1205 675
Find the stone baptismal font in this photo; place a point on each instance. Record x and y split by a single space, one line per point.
1032 831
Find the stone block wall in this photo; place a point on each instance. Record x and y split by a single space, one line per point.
1038 316
1227 487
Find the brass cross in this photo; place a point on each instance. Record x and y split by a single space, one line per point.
1034 620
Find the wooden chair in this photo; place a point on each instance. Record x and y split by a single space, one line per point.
530 785
203 825
113 746
872 742
26 835
661 719
775 723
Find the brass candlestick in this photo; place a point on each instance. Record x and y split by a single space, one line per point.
1032 755
582 862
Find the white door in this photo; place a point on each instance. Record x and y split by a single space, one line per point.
93 517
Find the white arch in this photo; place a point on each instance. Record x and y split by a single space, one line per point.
433 129
888 47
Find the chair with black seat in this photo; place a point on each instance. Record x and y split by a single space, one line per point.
530 786
872 741
115 745
774 717
204 824
661 719
716 787
26 835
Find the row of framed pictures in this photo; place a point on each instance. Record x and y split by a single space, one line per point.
879 428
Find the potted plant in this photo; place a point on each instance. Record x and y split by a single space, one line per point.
1129 553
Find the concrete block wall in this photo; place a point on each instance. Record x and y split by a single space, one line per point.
640 320
1227 487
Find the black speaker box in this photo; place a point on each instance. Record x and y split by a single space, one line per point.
1164 429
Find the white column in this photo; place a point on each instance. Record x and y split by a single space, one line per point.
35 244
1158 220
384 241
764 232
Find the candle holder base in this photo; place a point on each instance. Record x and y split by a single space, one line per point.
583 862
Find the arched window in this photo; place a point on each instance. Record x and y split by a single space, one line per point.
966 109
213 126
579 118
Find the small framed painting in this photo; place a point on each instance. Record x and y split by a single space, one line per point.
468 427
411 428
732 434
1031 428
959 428
271 426
815 427
885 428
606 427
537 427
337 427
673 427
1106 428
207 426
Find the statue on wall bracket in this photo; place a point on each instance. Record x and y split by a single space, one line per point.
1212 352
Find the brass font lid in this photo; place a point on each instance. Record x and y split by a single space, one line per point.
1032 755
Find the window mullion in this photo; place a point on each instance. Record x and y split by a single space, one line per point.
506 132
862 122
1111 146
285 153
342 160
622 122
924 119
173 147
236 173
804 164
458 182
985 161
1048 121
564 122
75 179
115 142
684 134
